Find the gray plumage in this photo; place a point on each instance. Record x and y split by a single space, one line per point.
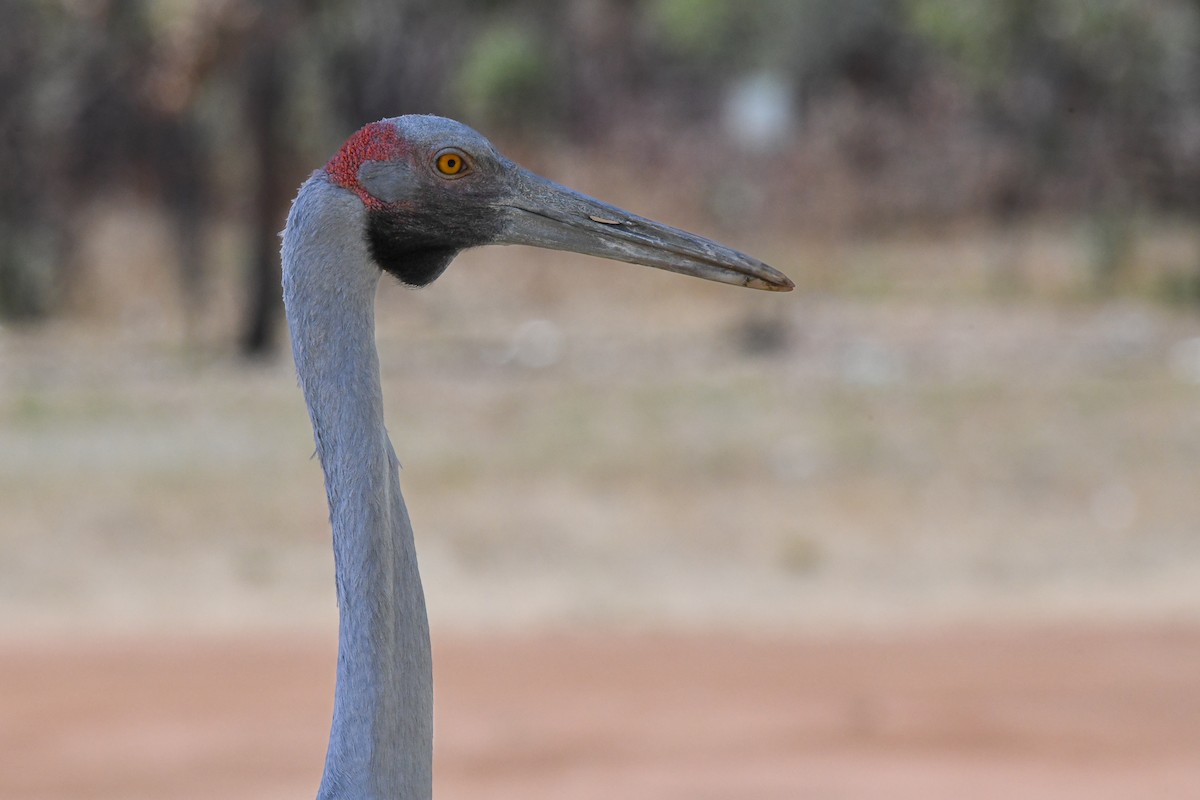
386 202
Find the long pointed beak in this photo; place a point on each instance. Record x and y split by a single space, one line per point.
544 214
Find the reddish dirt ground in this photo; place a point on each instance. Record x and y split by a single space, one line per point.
1047 713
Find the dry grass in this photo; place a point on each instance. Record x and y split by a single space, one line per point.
588 442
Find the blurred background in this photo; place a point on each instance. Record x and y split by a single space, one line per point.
924 493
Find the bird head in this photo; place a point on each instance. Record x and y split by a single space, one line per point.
433 187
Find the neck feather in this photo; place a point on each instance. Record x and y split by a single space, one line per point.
382 736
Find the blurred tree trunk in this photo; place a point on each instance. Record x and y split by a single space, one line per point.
32 233
264 111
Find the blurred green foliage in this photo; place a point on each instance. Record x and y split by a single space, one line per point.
505 78
904 110
1117 44
694 28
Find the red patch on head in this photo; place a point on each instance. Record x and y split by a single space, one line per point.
379 141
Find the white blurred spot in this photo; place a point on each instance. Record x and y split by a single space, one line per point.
1113 506
867 363
536 344
1184 360
759 111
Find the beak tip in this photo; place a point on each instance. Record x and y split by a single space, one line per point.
771 280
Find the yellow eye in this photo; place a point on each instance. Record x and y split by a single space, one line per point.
451 163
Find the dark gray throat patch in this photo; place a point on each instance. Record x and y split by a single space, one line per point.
410 259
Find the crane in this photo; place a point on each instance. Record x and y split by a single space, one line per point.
404 196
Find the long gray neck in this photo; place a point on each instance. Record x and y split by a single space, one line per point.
381 743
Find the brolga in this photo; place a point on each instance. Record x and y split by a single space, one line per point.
404 196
